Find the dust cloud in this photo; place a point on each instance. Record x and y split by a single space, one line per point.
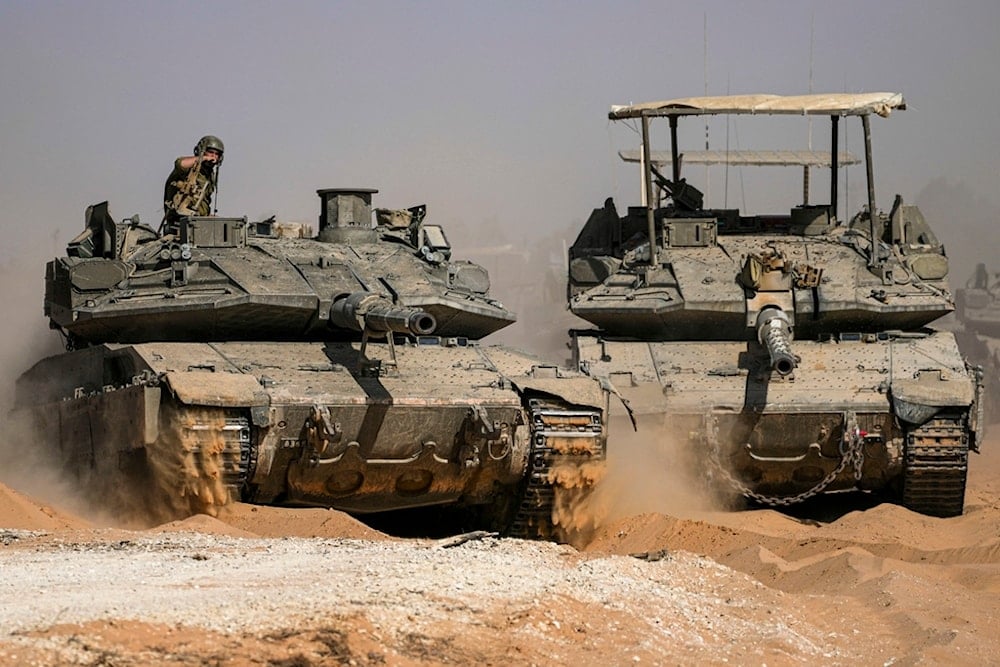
23 328
651 471
26 339
528 275
574 514
27 463
965 223
187 464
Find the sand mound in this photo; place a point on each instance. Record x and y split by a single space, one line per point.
19 511
652 532
759 547
295 522
243 520
202 523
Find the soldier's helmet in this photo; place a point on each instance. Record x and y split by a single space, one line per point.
210 141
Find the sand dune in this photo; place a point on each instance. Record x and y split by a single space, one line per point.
24 513
921 589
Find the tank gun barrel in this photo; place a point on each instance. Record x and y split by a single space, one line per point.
774 331
364 310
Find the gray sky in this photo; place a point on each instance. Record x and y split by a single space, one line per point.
494 114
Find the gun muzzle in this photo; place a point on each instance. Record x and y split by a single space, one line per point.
402 320
364 310
774 331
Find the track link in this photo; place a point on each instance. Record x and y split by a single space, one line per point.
564 439
936 466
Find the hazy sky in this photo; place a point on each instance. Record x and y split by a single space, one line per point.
494 114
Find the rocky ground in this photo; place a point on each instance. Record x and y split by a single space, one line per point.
844 581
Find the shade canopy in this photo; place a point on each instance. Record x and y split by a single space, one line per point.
834 104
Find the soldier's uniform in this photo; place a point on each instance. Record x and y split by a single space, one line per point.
178 176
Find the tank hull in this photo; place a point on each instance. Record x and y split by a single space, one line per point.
876 413
357 427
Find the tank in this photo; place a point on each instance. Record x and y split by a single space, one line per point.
977 327
788 354
222 359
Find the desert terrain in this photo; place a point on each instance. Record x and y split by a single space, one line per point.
666 579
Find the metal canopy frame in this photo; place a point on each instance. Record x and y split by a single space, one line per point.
834 105
758 158
752 158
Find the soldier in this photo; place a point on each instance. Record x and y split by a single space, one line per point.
191 184
980 279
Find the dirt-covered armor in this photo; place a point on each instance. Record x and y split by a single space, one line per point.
250 360
788 352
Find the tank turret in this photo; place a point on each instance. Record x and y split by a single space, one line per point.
792 346
218 278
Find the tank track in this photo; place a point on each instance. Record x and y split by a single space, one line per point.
561 434
228 438
935 467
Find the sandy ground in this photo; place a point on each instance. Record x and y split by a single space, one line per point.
842 581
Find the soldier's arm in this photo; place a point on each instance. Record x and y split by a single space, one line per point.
185 163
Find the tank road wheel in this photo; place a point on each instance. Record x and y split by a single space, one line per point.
935 467
567 458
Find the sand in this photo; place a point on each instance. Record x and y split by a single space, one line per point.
846 581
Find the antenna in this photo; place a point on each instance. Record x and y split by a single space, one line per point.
805 174
847 172
708 182
725 181
812 26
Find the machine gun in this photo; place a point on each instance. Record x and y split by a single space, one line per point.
774 331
